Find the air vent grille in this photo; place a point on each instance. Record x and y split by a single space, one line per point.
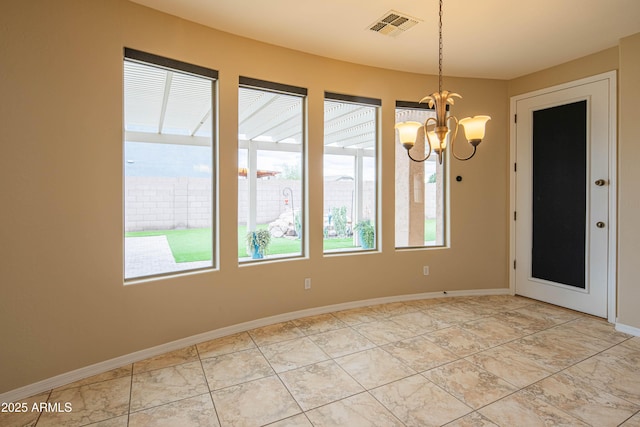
393 24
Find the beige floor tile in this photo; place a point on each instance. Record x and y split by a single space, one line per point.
626 353
419 353
355 316
554 349
89 403
418 402
526 323
583 401
22 412
516 368
421 304
549 312
122 421
474 306
550 358
469 383
580 343
299 420
319 384
493 330
318 324
503 303
341 342
393 309
194 411
522 409
633 343
596 328
225 345
293 354
573 369
254 403
177 357
383 332
361 410
474 419
167 385
632 422
616 371
124 371
419 323
449 314
275 333
235 368
458 341
374 367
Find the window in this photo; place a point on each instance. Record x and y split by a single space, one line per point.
169 199
350 173
270 170
420 188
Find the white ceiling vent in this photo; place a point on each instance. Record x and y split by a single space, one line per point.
393 24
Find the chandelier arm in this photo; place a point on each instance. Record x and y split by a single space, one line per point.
427 140
418 160
454 135
473 153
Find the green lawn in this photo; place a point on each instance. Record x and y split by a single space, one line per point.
194 244
429 230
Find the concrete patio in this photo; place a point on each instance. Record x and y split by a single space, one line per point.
148 256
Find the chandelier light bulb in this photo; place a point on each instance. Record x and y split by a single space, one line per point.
407 132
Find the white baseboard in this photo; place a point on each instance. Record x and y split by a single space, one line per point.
107 365
628 329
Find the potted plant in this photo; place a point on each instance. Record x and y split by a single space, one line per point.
298 224
258 242
366 233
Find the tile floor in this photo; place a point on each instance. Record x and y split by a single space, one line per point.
468 361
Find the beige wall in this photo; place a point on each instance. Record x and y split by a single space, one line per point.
587 66
63 304
629 183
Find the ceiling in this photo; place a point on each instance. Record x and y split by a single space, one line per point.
500 39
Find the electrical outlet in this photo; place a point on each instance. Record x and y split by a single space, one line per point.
307 283
425 270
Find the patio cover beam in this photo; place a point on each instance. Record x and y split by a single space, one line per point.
163 138
165 100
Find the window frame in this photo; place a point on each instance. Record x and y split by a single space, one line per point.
169 64
377 105
302 93
410 105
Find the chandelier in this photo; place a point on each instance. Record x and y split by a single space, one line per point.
436 129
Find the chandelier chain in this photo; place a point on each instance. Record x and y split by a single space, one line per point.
440 50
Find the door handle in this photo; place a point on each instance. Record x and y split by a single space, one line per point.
600 182
600 224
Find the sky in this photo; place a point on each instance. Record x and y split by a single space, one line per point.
169 160
166 160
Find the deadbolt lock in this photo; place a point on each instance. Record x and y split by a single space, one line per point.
600 224
600 182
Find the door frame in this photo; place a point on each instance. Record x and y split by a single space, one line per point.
610 76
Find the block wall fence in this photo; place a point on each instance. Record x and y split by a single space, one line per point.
154 203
